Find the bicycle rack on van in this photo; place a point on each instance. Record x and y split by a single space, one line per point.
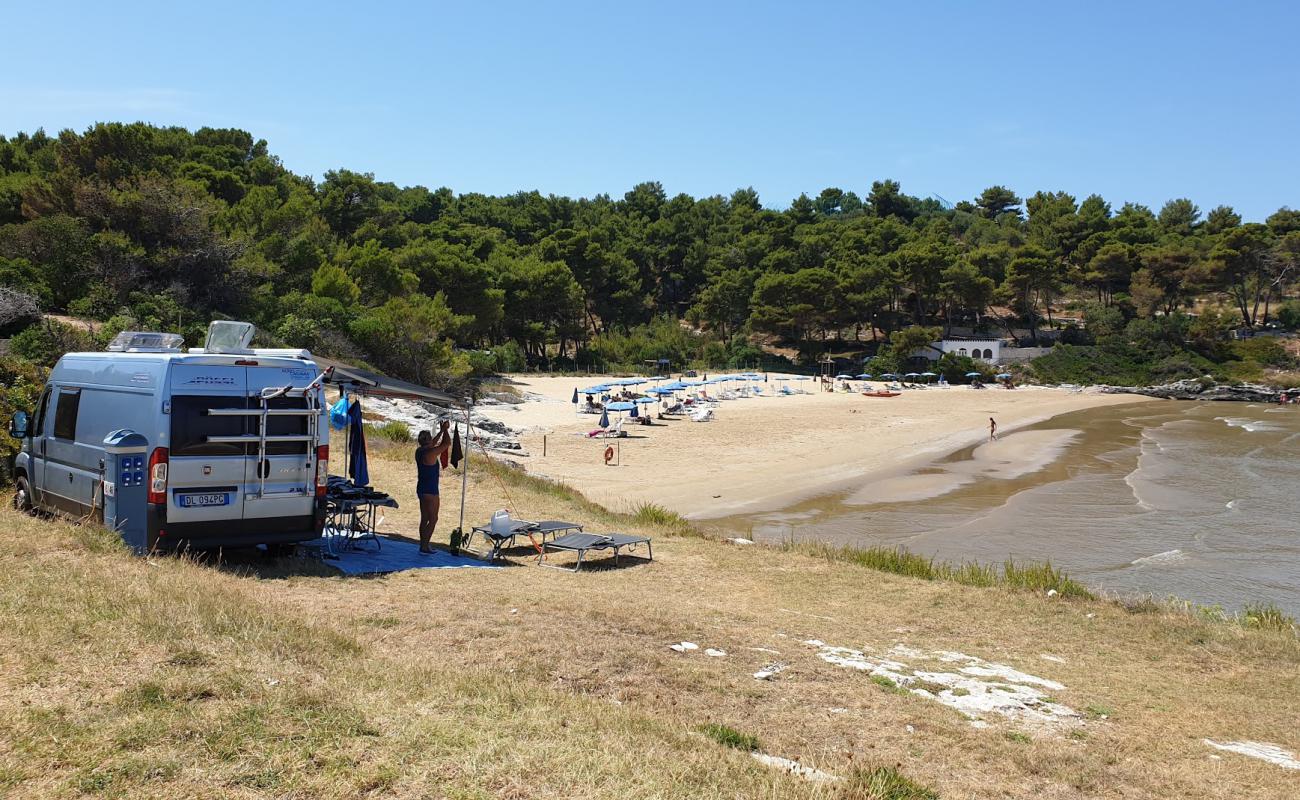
312 412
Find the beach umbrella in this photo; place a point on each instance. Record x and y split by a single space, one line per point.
620 406
928 374
596 389
575 395
1002 375
912 375
604 419
866 376
888 376
974 374
644 401
840 377
634 381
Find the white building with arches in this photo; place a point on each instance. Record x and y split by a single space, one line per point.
988 350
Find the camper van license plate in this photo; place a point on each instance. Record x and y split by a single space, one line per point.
195 500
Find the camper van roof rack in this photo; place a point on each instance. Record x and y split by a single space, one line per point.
145 342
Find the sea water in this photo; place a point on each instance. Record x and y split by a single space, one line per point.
1195 500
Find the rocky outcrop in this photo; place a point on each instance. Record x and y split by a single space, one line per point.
419 415
1201 389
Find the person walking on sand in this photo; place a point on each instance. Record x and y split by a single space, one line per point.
993 430
428 452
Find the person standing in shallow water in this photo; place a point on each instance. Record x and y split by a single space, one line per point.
993 430
427 453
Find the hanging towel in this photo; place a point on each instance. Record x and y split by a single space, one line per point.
358 466
445 457
456 453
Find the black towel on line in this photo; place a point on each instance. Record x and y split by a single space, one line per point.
456 453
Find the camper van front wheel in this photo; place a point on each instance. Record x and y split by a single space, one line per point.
23 496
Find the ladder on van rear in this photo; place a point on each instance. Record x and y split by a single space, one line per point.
312 411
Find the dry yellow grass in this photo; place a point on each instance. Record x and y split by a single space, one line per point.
168 678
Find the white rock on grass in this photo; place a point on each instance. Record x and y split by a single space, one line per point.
684 647
795 768
740 540
770 671
714 652
975 687
1261 750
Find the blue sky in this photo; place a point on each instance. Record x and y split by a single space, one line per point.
1134 101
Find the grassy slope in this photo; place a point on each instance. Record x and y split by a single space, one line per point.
128 677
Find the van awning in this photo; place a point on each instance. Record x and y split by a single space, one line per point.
372 384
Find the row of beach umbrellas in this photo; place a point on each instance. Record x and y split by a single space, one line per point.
676 386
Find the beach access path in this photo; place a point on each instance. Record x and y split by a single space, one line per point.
763 454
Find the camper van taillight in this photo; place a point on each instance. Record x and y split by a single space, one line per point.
322 469
158 476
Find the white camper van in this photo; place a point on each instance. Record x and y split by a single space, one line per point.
238 448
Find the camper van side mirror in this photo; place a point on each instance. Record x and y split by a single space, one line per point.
18 425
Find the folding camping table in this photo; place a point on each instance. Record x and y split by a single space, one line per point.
350 518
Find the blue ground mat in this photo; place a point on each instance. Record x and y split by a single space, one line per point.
395 555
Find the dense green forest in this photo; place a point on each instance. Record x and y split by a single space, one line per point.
144 227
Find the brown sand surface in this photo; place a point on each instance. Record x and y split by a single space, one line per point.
762 454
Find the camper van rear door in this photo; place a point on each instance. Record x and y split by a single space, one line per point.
288 465
205 479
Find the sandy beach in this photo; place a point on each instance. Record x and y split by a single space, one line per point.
762 454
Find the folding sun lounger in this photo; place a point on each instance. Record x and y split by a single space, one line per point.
498 536
502 531
580 543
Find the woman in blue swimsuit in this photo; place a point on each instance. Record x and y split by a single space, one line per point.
428 452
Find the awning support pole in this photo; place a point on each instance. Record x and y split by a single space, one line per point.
464 473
